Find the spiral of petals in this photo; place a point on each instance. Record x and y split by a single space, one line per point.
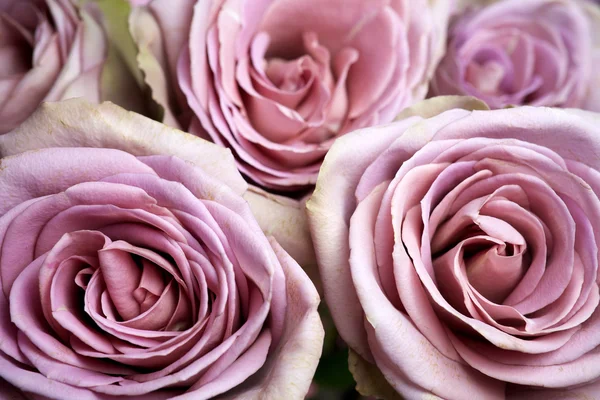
462 258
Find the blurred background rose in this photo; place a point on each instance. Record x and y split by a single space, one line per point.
513 52
52 50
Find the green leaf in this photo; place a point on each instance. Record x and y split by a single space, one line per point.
121 80
333 372
116 16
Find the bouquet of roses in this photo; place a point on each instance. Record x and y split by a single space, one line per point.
289 199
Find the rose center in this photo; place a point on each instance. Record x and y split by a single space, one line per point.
289 76
480 253
494 269
140 290
486 77
304 83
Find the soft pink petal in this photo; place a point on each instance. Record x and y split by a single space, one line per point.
114 130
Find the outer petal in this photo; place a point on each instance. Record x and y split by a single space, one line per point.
441 10
289 370
76 123
86 57
571 134
286 220
329 210
160 30
21 176
151 60
174 18
593 97
38 386
581 393
437 105
34 382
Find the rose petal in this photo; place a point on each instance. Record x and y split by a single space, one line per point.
113 131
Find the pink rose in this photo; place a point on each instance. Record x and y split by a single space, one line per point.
459 253
52 50
141 273
278 80
514 52
49 50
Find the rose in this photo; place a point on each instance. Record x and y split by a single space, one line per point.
143 277
459 253
49 50
52 50
539 52
277 81
257 293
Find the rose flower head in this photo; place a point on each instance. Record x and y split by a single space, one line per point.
459 252
54 49
131 269
277 81
513 52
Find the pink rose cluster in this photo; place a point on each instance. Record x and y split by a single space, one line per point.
455 240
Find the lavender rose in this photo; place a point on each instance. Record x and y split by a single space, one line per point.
278 80
142 276
52 50
49 50
459 252
539 52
